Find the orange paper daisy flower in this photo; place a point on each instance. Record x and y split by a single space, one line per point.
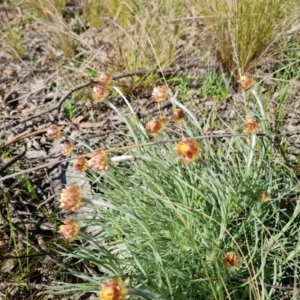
188 150
70 198
113 289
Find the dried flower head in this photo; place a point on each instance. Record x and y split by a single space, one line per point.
251 126
154 127
99 161
178 115
160 93
232 261
263 196
105 79
188 150
113 289
70 198
66 148
80 164
245 82
99 93
69 230
53 132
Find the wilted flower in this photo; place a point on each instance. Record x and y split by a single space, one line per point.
99 93
251 126
53 132
178 115
113 289
245 82
69 230
80 164
188 150
160 93
105 79
264 196
70 198
154 127
99 161
66 148
232 261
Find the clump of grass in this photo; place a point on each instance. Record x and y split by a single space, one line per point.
192 231
13 38
50 12
246 31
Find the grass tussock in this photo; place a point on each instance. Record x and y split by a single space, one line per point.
188 221
244 32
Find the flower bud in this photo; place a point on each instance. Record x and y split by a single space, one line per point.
263 196
105 79
160 94
251 126
178 115
154 127
99 161
188 150
66 148
99 93
113 289
53 132
69 230
80 164
245 82
70 198
232 261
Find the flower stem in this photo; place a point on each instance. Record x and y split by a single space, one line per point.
144 294
252 149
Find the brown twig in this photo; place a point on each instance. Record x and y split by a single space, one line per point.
91 82
123 148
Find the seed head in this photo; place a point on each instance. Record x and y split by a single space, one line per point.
80 164
251 126
70 198
99 161
263 196
160 93
188 150
105 79
99 93
232 261
66 148
53 132
113 289
154 127
245 82
178 115
69 230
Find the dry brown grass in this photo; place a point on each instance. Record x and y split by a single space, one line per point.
246 31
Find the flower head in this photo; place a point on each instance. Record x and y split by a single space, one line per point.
99 93
69 230
232 261
80 164
155 127
160 93
66 148
113 289
178 115
263 196
105 79
53 132
245 82
70 198
251 126
99 161
188 150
